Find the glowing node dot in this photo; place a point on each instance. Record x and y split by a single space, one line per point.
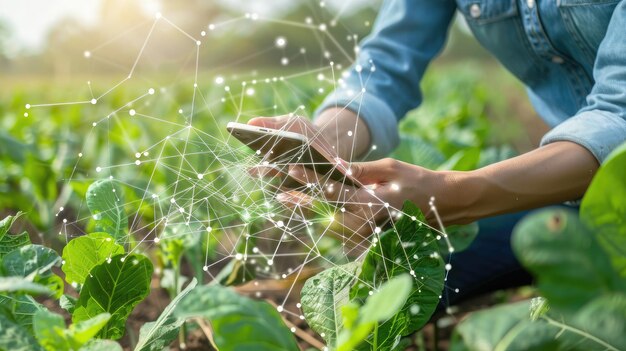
298 305
198 42
395 187
98 169
374 147
456 290
87 54
94 101
158 15
211 26
377 230
200 175
280 224
239 257
132 112
151 91
94 124
448 266
137 162
386 204
322 27
181 210
27 106
64 220
209 229
61 208
281 42
284 61
25 114
270 262
279 308
250 91
293 329
205 268
137 154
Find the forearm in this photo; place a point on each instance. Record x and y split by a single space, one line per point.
551 174
345 131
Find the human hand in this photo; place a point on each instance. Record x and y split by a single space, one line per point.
385 185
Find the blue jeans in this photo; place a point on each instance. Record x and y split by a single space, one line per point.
488 264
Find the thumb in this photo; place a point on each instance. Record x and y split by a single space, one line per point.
268 122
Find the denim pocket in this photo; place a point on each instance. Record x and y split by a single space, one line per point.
496 24
586 21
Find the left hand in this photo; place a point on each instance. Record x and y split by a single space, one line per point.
385 185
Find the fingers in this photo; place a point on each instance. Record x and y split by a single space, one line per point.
374 172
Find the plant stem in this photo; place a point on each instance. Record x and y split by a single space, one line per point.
375 337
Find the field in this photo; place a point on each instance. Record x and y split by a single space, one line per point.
129 220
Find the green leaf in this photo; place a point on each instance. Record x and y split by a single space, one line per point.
322 297
52 334
36 261
604 208
15 338
101 345
570 266
22 285
30 259
115 287
460 237
22 308
9 242
380 307
408 248
505 327
600 325
106 203
83 253
236 272
538 307
68 303
239 323
156 336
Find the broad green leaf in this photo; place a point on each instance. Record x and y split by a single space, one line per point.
22 285
81 254
15 338
114 287
600 325
570 266
506 327
460 237
30 259
106 203
604 208
603 322
239 323
158 335
22 309
416 150
101 345
538 307
9 242
36 261
322 297
407 248
52 334
380 307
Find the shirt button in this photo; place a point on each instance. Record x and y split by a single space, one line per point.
530 3
557 59
475 10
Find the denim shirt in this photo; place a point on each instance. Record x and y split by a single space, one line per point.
570 54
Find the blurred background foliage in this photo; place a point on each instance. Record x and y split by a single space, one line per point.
474 112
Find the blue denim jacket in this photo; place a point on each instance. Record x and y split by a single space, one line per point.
570 54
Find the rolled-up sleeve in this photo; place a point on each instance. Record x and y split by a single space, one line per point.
383 84
600 126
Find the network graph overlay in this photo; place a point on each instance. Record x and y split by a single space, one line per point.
184 176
